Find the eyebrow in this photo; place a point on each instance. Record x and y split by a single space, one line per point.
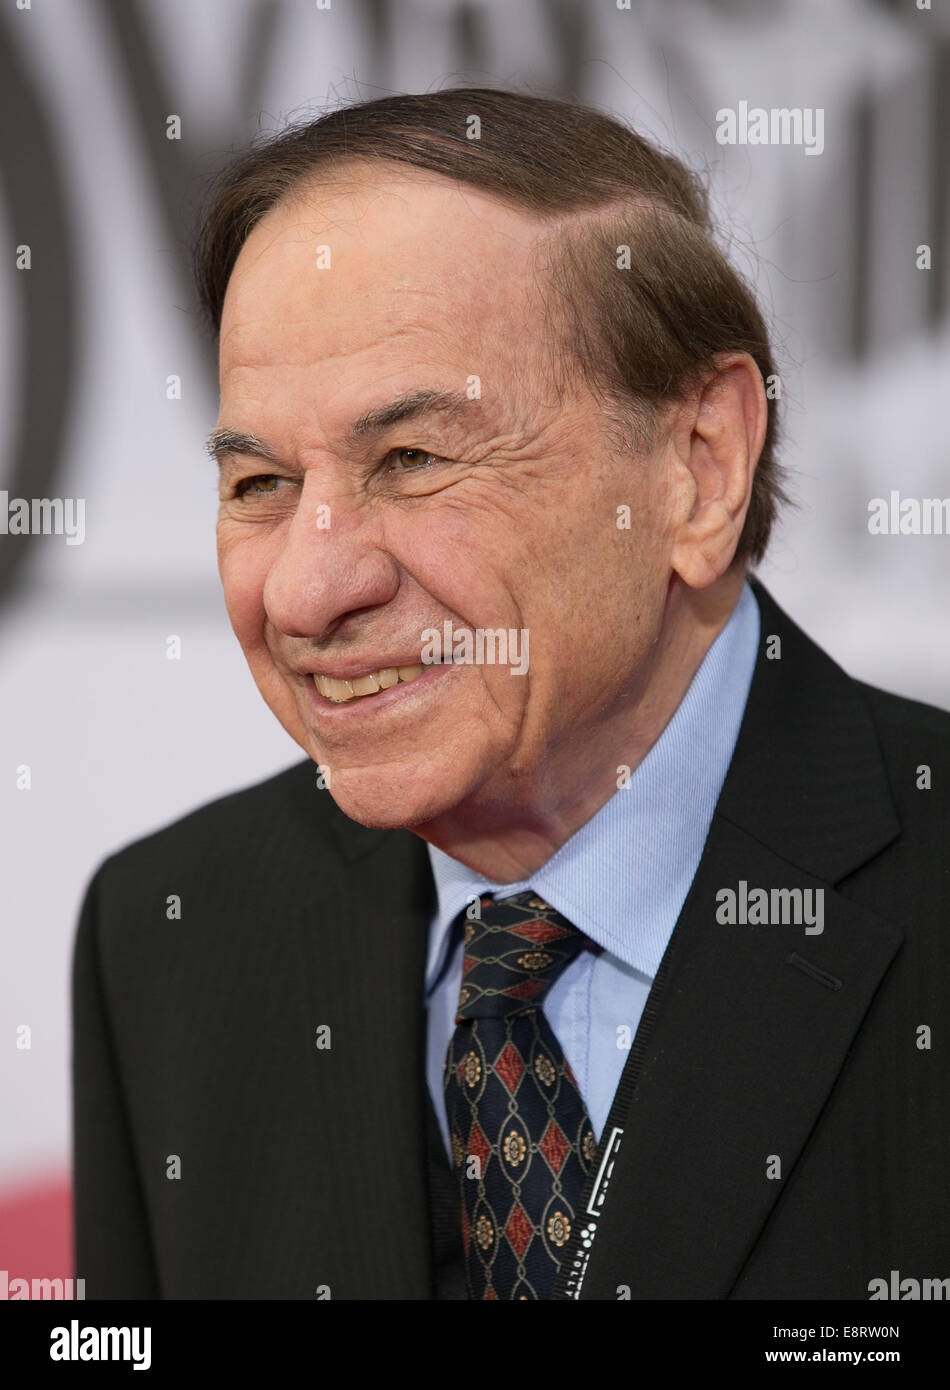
409 406
221 442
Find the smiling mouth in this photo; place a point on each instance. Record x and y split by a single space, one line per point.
365 687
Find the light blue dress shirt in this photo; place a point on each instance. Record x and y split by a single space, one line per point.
622 879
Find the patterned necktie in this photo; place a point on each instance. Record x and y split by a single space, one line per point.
521 1137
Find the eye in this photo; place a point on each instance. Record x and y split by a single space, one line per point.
411 460
261 485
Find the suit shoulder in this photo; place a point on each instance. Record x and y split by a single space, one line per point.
898 718
915 743
227 831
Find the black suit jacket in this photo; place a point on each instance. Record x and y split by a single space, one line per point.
781 1127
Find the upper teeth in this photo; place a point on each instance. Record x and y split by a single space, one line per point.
341 691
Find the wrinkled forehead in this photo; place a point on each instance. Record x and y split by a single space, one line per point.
372 255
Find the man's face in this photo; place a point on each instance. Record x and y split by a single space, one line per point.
498 510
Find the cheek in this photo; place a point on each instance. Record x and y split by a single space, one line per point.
460 562
602 590
243 568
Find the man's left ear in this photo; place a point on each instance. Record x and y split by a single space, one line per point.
718 454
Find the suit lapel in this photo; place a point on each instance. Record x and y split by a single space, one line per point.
752 1027
748 1026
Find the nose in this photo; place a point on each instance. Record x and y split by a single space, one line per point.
331 563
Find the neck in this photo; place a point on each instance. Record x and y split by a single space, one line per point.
508 839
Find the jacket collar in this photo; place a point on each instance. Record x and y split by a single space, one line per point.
807 779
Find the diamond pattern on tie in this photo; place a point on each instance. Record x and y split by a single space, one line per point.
522 1140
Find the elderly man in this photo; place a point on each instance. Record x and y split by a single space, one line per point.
594 950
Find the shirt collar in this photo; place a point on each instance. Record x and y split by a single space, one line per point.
623 876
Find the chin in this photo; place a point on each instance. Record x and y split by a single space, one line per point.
385 803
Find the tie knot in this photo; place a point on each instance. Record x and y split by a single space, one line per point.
514 952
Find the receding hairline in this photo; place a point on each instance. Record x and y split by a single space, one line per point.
356 173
